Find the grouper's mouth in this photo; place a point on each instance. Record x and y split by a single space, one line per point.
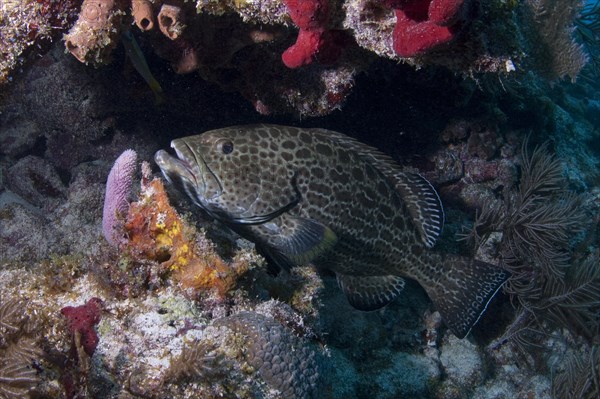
188 173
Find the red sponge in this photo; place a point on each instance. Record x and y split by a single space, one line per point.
422 25
82 319
314 40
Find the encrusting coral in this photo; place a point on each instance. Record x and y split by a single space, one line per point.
152 231
27 26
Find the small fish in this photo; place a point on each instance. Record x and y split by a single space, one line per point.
313 195
134 52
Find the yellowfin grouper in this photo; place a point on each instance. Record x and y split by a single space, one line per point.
134 52
313 195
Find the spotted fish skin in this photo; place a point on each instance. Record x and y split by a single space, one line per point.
313 195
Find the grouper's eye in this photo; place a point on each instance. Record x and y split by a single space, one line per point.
226 147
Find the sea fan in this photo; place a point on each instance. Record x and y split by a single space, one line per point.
580 377
555 52
17 351
538 224
587 29
16 379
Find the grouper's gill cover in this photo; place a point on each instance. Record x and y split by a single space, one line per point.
312 195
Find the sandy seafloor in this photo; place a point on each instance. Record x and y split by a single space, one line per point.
62 125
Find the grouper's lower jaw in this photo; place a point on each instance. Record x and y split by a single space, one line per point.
178 173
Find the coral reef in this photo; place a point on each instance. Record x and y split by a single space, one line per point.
580 377
190 310
256 53
153 231
586 30
36 181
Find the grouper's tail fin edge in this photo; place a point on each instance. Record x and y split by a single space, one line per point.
464 294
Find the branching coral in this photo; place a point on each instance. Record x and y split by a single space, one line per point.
580 377
198 360
538 225
555 52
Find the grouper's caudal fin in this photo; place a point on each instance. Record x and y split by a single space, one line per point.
463 290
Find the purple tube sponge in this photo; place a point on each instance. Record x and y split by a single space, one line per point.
116 199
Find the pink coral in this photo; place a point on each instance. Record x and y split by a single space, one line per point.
314 39
422 25
116 200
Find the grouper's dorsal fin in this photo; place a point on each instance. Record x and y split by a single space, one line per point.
424 205
370 292
422 201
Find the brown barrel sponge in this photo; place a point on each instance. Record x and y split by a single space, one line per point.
171 20
143 14
96 31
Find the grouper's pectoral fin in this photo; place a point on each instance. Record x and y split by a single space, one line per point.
295 241
370 292
464 291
